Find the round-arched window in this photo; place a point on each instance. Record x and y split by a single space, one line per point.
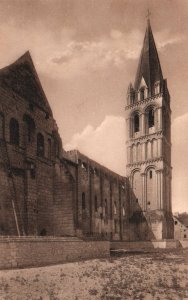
136 123
151 118
14 132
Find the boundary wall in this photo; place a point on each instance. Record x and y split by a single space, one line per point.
42 251
147 245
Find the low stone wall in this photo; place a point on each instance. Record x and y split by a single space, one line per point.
40 251
144 245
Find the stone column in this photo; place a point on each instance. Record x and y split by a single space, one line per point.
142 118
160 188
144 207
156 119
160 123
159 148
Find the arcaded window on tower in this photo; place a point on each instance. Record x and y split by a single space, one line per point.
132 97
14 132
136 123
40 144
151 119
83 201
142 92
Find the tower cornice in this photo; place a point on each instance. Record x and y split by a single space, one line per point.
145 101
148 162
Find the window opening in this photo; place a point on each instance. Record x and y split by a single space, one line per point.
151 118
14 132
142 94
136 123
83 201
96 203
150 174
115 208
123 210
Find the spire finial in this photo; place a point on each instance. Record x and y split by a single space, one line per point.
148 14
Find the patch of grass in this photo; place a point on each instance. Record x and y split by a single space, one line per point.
93 292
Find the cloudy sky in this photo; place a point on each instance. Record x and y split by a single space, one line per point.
86 53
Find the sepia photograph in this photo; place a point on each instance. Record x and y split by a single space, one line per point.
93 149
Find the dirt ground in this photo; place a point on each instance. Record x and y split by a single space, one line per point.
162 275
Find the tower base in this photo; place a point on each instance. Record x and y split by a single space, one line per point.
151 225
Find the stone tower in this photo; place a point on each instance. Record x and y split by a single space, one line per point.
148 118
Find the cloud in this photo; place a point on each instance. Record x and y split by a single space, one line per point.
105 144
165 38
112 51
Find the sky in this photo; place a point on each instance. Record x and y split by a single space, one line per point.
86 53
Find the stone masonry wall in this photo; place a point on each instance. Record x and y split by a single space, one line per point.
41 196
47 251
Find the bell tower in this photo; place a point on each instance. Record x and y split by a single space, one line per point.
148 120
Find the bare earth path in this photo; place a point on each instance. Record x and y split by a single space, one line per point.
161 275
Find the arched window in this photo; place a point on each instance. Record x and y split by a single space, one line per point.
150 174
123 210
49 148
96 204
142 93
115 208
151 119
132 96
83 201
14 132
136 123
106 208
40 144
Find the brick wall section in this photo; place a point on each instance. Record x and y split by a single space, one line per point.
47 251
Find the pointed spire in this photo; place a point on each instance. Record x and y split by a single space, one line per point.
149 67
